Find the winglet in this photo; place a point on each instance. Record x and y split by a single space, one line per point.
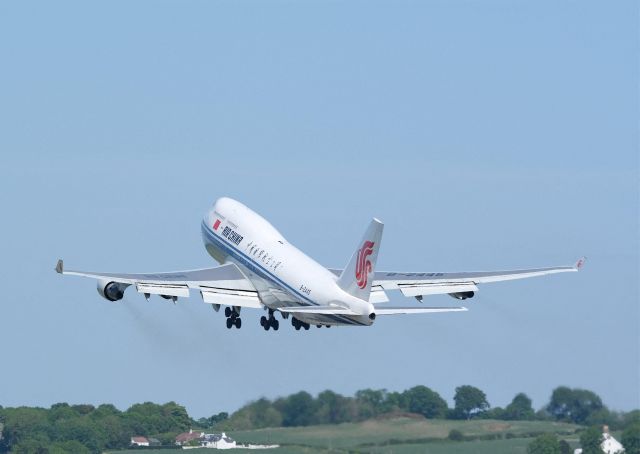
60 266
580 263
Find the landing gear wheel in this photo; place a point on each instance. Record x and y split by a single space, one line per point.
229 323
263 321
266 326
238 323
306 327
275 324
227 312
297 327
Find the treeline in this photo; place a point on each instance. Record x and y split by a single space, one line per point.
577 406
85 429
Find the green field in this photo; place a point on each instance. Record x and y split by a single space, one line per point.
399 435
400 430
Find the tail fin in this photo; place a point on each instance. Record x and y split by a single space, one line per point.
356 278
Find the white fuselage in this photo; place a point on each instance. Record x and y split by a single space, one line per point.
282 274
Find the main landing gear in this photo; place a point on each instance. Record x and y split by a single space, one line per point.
269 322
233 317
297 324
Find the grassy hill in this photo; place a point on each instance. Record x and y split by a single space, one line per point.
369 435
403 435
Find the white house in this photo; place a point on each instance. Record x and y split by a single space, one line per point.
139 441
218 441
609 444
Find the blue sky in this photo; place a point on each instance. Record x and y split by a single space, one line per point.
486 135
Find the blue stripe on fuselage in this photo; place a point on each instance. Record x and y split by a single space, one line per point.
265 274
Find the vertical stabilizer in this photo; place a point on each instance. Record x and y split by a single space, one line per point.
356 278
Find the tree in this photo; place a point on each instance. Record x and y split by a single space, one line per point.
574 405
426 402
396 401
519 409
370 402
631 418
494 413
69 447
298 409
631 439
544 444
590 440
333 408
565 448
222 416
21 424
31 447
83 430
469 400
150 418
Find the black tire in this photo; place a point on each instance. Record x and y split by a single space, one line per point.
297 327
266 327
318 326
238 323
227 311
275 324
263 321
229 323
306 327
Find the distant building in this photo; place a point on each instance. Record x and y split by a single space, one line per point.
186 437
217 441
609 444
139 441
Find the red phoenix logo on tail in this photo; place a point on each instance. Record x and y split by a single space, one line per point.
363 264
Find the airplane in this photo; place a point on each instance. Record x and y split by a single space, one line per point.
259 269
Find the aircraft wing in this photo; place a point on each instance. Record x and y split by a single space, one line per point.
223 285
419 284
334 310
418 310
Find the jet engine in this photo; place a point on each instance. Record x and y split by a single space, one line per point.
112 291
462 295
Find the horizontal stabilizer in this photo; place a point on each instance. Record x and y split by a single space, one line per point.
336 310
418 310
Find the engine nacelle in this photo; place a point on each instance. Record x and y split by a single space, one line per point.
462 295
112 291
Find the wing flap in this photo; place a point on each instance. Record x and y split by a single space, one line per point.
181 291
230 297
435 289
